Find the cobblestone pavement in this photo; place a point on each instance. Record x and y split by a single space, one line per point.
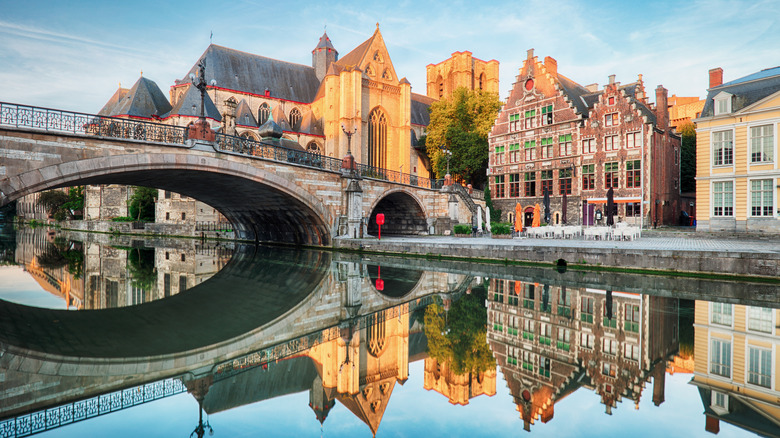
682 243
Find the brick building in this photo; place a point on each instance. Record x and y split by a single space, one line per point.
576 142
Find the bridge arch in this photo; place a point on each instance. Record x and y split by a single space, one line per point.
404 214
260 204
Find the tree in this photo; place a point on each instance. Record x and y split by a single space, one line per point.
495 213
141 205
688 158
53 201
460 124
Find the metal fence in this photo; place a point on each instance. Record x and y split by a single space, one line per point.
52 418
51 120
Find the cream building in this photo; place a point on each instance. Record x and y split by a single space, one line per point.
737 170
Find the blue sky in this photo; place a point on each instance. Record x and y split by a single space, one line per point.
72 55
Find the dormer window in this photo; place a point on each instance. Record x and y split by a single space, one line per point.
722 103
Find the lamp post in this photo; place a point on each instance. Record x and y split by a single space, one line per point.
199 82
348 162
349 138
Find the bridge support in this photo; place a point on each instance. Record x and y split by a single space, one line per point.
354 205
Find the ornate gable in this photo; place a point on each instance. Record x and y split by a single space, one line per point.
372 58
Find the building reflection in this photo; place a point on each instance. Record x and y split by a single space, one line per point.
551 340
737 347
89 275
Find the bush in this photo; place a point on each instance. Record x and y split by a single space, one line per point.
462 229
122 219
499 228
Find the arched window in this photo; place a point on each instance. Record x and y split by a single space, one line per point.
295 119
440 82
387 76
263 113
248 135
370 70
313 148
481 81
377 139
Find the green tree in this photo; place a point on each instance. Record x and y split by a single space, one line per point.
688 158
75 203
460 124
495 213
141 205
53 201
141 268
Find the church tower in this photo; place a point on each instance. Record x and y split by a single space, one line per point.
323 55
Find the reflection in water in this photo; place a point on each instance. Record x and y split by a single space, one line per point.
335 336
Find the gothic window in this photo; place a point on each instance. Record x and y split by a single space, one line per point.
387 76
377 139
370 70
482 81
263 113
295 119
378 57
313 148
440 82
376 334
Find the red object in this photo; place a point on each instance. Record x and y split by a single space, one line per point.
380 220
380 284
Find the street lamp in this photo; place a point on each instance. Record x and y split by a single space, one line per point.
349 138
199 82
448 153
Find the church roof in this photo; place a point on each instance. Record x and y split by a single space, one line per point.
420 109
325 43
144 99
244 114
241 71
190 100
356 56
113 101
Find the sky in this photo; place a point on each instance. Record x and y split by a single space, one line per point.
73 55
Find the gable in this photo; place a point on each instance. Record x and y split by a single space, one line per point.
372 58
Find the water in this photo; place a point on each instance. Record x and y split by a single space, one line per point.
126 336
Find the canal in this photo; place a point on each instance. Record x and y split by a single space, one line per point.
125 336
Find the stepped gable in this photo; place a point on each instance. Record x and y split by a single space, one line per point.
189 105
108 108
630 90
144 99
746 90
245 72
244 115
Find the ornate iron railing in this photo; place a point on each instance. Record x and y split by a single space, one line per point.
52 120
52 418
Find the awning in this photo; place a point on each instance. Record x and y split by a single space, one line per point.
617 200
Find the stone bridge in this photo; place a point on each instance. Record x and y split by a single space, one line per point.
267 192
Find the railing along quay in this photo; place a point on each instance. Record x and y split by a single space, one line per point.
53 120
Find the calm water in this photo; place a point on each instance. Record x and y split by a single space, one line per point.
111 335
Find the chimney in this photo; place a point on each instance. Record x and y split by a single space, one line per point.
594 87
661 108
712 425
716 77
611 79
530 54
551 65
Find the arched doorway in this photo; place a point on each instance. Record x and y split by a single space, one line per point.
528 217
403 216
377 139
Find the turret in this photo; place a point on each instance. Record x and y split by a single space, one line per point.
322 56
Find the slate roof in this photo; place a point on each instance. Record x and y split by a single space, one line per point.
575 92
420 109
746 90
144 99
592 98
244 114
191 98
325 43
113 101
241 71
357 54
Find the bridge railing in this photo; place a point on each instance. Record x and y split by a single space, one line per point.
256 148
52 120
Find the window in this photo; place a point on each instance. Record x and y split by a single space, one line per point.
611 143
761 144
514 120
547 181
611 100
564 181
611 178
547 115
167 215
631 351
563 341
499 186
167 285
530 184
586 309
528 296
633 140
514 185
545 333
760 319
633 173
722 104
720 313
564 303
611 119
514 152
183 216
499 154
182 282
313 148
609 346
547 147
722 148
632 318
589 146
633 209
760 366
587 340
498 291
609 369
530 150
530 119
167 194
720 357
528 329
588 176
761 197
184 257
564 145
723 198
528 361
377 139
544 366
262 113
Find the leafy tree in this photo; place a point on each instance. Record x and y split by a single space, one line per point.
141 268
75 203
495 213
53 201
460 124
688 158
141 206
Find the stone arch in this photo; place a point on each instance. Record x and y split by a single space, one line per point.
397 282
313 147
261 205
404 214
377 138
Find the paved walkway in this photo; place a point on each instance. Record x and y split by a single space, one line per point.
647 242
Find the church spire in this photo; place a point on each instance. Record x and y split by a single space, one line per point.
323 55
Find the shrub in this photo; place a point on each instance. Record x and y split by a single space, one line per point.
501 228
462 229
122 219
